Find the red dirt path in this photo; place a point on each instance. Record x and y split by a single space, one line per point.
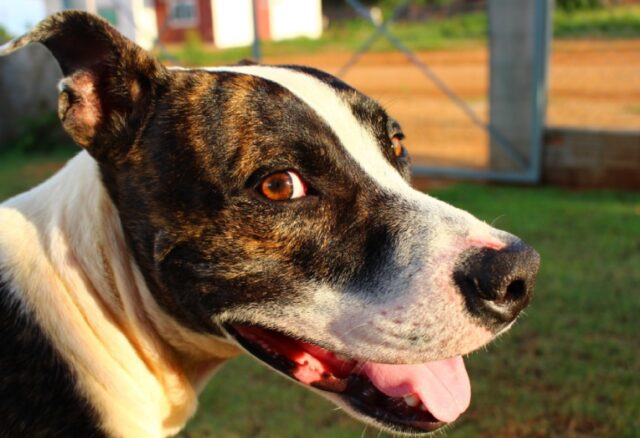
592 83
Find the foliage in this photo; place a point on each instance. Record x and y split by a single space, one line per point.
347 36
4 35
577 5
41 134
622 22
447 33
19 172
193 49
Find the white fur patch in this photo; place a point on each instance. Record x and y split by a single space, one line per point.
360 143
66 260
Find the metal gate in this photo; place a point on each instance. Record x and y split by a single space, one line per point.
522 29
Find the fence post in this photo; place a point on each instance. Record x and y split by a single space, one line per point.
519 36
256 48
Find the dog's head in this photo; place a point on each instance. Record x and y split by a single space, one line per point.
271 205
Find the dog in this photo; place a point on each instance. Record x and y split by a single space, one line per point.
213 212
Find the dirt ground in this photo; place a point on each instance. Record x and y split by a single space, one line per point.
592 83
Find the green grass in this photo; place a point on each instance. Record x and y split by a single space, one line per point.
460 31
622 22
451 33
569 368
19 173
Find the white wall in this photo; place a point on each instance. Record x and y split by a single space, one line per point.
232 23
295 18
136 19
146 25
233 20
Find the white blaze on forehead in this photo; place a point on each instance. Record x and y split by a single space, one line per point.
356 138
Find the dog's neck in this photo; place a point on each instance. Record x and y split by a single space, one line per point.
76 276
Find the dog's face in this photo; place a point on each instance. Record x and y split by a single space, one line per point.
272 205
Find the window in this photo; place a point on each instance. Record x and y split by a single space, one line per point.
183 13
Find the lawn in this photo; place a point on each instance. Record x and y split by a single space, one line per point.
569 368
448 33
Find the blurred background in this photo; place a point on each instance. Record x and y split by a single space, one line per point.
524 112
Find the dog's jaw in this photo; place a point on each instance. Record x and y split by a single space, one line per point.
70 269
431 235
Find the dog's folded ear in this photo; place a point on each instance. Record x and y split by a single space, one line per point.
109 81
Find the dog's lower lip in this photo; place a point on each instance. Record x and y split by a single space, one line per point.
354 388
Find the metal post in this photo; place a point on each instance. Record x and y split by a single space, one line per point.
256 50
542 30
91 6
543 34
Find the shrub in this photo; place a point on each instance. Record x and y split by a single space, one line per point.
40 134
4 35
576 5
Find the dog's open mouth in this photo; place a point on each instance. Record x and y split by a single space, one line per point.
406 398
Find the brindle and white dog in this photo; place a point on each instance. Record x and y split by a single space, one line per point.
250 208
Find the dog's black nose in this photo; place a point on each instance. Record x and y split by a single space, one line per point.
497 284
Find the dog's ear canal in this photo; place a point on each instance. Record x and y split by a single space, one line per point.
109 82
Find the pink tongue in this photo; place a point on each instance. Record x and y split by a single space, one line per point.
442 386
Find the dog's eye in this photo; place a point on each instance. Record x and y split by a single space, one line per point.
282 186
399 150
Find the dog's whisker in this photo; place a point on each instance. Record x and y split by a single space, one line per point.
495 221
346 332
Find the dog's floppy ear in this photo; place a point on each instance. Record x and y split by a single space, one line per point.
109 81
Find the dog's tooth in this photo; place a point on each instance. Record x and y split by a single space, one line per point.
423 407
342 357
411 400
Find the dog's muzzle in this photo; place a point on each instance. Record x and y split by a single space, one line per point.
497 284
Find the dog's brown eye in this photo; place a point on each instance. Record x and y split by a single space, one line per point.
282 186
398 149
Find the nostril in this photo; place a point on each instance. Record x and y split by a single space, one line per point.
497 284
516 290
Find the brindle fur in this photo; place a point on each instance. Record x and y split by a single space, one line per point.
180 154
202 237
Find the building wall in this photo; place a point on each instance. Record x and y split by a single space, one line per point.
134 18
295 18
232 23
229 23
169 32
146 27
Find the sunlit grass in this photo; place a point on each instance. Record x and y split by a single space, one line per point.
438 33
